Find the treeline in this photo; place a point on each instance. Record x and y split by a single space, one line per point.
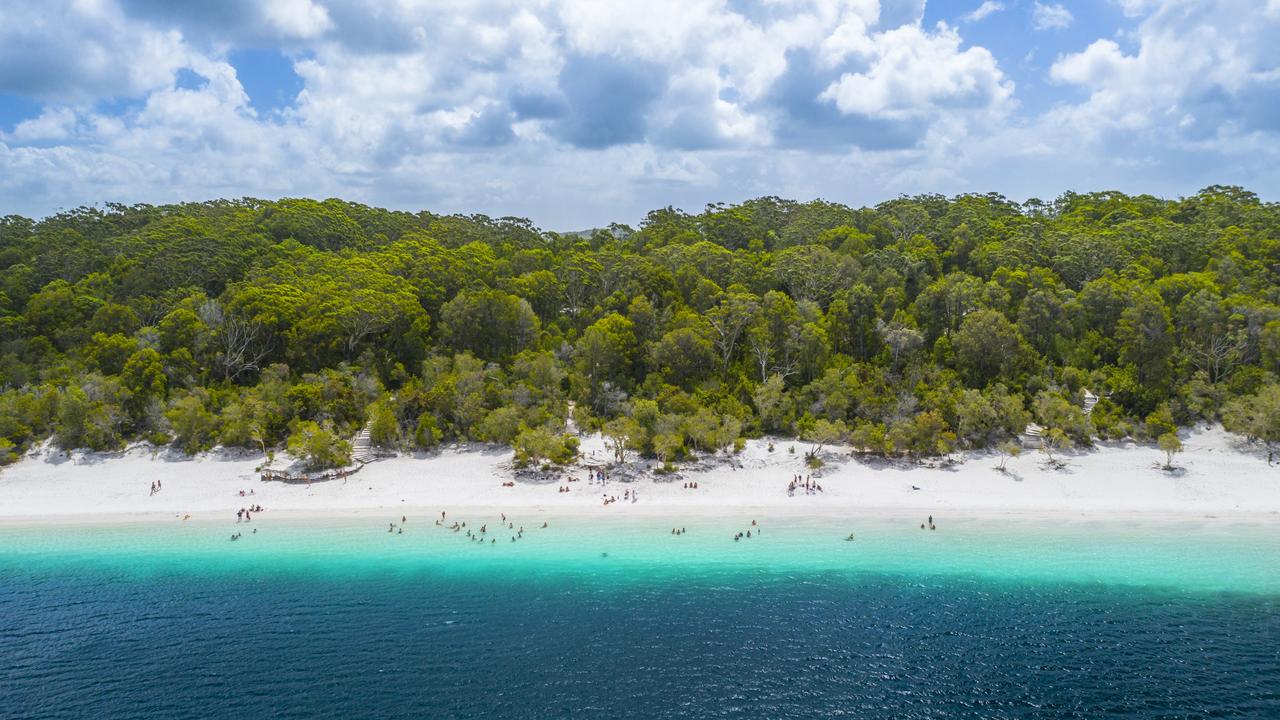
915 327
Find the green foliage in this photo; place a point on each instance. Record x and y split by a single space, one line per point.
384 428
1256 416
246 423
535 445
318 446
872 438
773 405
489 323
108 353
604 355
987 416
988 347
1056 412
194 427
823 432
426 433
711 432
683 356
1146 338
1007 449
1054 441
621 434
1171 445
144 377
926 433
1160 422
501 425
917 325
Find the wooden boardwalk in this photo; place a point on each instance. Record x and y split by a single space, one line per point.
361 455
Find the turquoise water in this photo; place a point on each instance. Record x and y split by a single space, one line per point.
1192 556
588 618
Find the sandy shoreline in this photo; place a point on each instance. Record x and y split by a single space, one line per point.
1219 478
675 516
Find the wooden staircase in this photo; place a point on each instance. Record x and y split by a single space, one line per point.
1089 401
362 447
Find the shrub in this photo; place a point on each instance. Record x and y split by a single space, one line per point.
318 446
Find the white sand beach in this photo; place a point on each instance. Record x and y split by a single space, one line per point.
1218 475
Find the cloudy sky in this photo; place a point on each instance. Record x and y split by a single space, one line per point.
580 112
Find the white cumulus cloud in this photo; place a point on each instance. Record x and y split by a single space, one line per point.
988 7
1050 16
297 18
913 73
583 111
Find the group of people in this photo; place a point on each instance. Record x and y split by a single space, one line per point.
245 514
677 531
739 535
483 533
930 524
563 489
799 482
691 486
155 487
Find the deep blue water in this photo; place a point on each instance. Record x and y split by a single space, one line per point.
258 642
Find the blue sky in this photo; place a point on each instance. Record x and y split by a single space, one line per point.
576 113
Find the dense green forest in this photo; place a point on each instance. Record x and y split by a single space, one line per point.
919 326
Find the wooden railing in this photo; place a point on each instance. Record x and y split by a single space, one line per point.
288 477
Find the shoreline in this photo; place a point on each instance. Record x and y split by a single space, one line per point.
771 513
1216 480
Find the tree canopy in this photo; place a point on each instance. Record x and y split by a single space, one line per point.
912 327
